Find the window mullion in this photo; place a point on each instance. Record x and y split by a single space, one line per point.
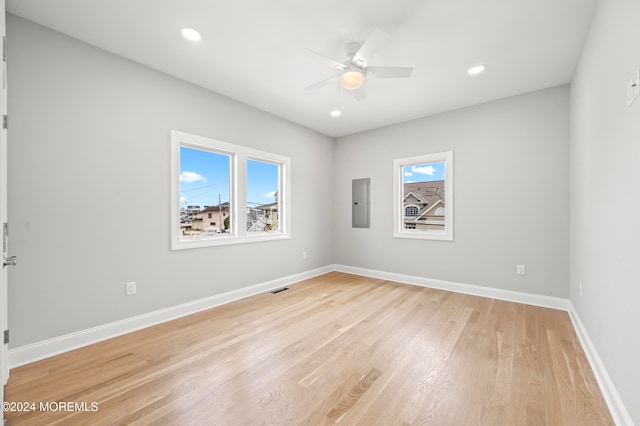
240 192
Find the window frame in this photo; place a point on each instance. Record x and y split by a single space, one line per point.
399 230
237 192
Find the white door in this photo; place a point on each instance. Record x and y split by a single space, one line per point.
4 366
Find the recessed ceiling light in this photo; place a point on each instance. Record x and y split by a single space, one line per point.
191 34
335 113
476 69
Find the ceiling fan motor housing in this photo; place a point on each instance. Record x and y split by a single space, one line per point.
350 49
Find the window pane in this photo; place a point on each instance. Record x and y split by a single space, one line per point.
204 193
424 203
263 206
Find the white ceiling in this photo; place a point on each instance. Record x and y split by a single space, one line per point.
250 49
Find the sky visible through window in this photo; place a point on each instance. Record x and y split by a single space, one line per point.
423 172
262 183
204 176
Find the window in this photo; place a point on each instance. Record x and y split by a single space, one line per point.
263 190
423 197
231 183
411 211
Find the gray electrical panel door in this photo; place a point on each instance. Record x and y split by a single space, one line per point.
360 191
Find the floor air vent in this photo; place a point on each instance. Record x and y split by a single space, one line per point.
279 290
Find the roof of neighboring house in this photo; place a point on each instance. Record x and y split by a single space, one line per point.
427 192
208 209
271 206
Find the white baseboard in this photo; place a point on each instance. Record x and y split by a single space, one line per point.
44 349
494 293
617 408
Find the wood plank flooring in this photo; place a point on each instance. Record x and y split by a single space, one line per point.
337 348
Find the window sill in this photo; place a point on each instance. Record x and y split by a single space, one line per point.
424 235
221 240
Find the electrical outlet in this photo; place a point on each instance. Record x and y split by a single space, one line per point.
304 255
520 270
130 288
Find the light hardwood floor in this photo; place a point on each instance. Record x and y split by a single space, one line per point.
337 348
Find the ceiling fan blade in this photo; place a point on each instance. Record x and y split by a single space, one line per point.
360 93
371 46
323 82
389 72
322 58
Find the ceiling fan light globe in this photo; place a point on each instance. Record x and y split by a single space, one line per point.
351 80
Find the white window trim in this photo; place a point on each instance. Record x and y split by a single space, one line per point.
398 197
237 194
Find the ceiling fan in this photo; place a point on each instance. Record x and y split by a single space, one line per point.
353 72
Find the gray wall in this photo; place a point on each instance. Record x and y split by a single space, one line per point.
511 195
605 178
89 188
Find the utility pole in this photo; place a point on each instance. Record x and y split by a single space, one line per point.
220 215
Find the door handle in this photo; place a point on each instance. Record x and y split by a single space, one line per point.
9 261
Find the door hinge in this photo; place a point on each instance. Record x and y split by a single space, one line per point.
5 235
5 121
6 337
4 48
